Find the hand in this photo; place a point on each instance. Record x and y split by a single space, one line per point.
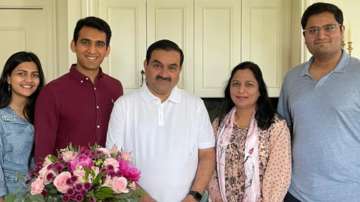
1 199
189 198
145 198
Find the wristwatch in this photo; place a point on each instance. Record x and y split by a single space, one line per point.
197 195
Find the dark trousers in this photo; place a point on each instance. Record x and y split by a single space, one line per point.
290 198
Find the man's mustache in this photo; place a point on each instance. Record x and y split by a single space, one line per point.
158 77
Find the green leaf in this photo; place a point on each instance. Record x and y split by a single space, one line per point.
104 193
88 172
56 198
24 198
133 195
10 198
97 180
52 158
51 189
36 198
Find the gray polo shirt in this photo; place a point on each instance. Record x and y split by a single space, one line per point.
325 119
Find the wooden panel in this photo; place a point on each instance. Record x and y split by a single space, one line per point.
29 26
127 19
173 20
265 38
14 40
264 43
217 44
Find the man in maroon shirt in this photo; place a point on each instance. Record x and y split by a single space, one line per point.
76 107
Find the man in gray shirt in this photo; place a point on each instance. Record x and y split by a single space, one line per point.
320 99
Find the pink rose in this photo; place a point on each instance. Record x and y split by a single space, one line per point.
68 155
119 185
37 186
129 171
112 162
60 182
81 160
43 171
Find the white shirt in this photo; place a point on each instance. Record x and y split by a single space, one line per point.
164 139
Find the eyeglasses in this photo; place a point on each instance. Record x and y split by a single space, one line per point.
329 28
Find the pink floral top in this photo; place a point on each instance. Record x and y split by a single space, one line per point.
275 164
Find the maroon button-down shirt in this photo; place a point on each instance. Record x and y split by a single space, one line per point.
71 109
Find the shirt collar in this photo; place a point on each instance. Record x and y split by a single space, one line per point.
79 76
340 67
10 115
174 97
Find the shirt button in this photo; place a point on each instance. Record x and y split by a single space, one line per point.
97 107
94 88
81 81
86 78
98 126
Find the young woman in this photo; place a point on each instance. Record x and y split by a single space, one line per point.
20 83
253 143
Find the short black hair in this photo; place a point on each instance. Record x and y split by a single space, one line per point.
264 115
93 22
164 44
321 7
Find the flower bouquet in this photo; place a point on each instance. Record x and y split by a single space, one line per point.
84 174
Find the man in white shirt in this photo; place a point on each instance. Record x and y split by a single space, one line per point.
167 130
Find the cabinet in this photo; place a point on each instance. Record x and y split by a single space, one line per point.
215 35
173 19
28 25
138 23
217 44
266 36
127 19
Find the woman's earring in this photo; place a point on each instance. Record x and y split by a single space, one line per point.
9 88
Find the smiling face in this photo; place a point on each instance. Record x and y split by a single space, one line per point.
162 72
24 80
90 49
325 42
244 89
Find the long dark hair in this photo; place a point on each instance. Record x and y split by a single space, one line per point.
5 95
264 112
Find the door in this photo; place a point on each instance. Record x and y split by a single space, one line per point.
29 25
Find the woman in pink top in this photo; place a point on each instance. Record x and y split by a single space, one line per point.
253 143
